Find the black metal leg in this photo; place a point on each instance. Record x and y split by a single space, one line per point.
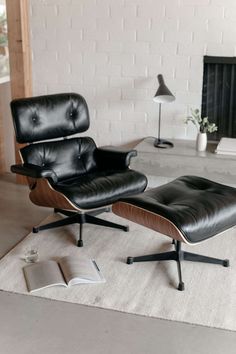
165 256
193 257
99 211
65 212
181 283
93 212
179 258
80 241
96 221
70 220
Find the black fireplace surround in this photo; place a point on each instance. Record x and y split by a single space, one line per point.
219 95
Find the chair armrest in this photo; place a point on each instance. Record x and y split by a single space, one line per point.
34 171
113 157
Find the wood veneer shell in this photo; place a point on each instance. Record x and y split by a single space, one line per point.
148 219
43 194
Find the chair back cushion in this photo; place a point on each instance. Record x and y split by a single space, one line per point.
49 117
67 158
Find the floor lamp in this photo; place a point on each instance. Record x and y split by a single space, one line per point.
163 95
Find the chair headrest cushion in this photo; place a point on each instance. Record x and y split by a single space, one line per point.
48 117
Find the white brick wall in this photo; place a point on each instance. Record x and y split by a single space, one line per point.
111 51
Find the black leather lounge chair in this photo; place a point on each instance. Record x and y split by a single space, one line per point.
73 175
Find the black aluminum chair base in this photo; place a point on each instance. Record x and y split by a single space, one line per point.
163 144
76 218
178 255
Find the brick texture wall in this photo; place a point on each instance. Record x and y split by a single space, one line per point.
111 51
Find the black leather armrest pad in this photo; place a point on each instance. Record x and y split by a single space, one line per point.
34 171
113 157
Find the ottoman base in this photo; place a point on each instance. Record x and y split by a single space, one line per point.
178 255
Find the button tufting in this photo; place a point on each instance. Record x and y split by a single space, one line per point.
34 118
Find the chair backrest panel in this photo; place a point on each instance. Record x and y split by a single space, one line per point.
48 117
67 158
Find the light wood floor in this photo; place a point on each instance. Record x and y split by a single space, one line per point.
30 325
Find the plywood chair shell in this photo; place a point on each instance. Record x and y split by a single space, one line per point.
43 194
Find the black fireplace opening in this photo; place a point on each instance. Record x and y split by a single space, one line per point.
219 95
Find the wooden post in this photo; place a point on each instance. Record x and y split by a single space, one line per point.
2 157
19 55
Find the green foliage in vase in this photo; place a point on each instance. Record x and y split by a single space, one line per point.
202 124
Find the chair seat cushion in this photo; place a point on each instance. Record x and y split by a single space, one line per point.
101 188
198 207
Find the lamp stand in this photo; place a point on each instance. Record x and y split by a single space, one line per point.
161 143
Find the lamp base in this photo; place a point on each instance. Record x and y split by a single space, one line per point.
163 144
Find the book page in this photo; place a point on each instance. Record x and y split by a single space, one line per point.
42 275
80 270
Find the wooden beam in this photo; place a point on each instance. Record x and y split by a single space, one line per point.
2 155
19 55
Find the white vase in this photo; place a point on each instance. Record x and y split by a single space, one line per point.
201 142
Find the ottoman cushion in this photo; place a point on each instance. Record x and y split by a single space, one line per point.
196 207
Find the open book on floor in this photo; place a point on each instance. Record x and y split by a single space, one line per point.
67 271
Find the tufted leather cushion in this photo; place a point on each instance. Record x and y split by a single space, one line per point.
48 117
100 188
66 158
198 207
75 165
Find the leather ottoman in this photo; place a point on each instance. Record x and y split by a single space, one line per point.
189 209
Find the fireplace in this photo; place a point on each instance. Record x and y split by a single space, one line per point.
219 95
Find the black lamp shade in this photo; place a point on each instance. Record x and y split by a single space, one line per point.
163 94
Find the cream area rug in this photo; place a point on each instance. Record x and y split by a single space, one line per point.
147 288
